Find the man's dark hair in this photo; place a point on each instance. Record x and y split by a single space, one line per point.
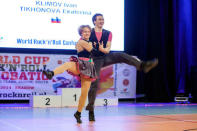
95 15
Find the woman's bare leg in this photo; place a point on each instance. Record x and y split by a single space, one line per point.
85 85
67 66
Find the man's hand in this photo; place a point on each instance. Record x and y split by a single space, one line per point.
101 48
104 50
94 45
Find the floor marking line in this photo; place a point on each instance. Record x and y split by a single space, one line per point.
12 125
191 121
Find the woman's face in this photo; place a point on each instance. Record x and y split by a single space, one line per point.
86 33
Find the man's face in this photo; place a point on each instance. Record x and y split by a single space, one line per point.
86 33
99 21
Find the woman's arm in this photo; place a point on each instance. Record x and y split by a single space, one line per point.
79 48
85 45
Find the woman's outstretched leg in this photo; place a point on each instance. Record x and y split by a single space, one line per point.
67 66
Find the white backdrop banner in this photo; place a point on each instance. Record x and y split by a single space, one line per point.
126 81
21 76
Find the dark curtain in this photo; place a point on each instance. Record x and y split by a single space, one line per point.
183 43
162 29
194 32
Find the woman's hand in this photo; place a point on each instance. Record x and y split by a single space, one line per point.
78 47
85 45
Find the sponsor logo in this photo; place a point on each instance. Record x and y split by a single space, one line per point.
125 89
125 82
126 72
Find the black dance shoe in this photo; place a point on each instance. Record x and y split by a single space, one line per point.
148 65
48 74
78 117
91 116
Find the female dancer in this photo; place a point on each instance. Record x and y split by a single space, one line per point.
82 66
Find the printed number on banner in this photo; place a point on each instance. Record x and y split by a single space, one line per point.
70 96
106 103
75 96
48 100
45 101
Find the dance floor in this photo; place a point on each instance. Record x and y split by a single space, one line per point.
124 117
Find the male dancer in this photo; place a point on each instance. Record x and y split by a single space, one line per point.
101 40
